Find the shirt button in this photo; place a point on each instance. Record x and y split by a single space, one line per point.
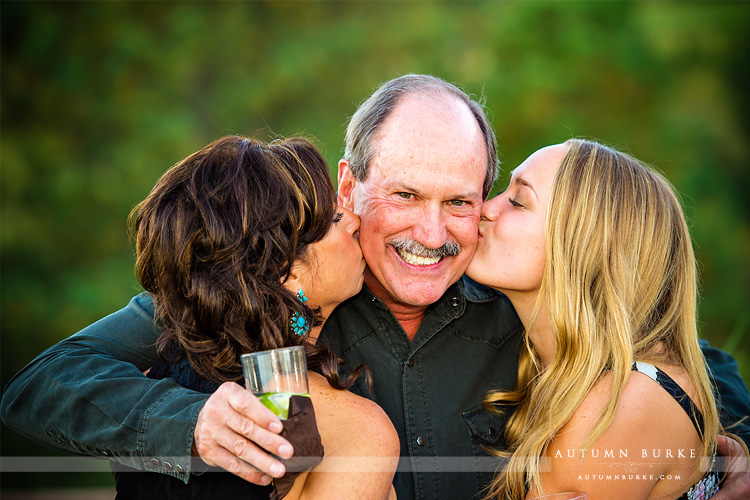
492 432
180 468
455 301
155 462
420 441
410 363
168 465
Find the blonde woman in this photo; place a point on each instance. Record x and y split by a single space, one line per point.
592 248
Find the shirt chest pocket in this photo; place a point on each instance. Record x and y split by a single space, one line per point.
486 432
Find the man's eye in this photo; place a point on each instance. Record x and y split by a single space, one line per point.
458 203
406 196
514 203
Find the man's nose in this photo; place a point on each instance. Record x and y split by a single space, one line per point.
429 229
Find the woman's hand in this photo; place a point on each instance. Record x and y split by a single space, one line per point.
236 432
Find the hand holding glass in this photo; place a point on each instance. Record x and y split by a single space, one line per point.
275 376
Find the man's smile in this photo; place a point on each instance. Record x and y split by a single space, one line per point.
417 260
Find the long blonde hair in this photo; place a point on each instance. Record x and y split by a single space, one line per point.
619 284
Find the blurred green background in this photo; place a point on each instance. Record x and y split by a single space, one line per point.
97 99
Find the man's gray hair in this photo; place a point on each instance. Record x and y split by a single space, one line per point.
365 122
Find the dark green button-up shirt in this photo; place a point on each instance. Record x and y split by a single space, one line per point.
433 387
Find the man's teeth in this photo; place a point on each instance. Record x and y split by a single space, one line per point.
417 260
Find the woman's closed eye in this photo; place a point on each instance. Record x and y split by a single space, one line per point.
338 217
515 203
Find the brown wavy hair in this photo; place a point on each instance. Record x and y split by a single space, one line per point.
217 237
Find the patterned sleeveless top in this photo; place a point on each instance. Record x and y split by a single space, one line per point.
709 485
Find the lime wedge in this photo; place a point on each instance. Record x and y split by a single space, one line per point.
278 402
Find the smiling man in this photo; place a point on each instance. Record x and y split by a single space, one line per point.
420 159
420 198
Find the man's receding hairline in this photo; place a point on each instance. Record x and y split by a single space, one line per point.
432 95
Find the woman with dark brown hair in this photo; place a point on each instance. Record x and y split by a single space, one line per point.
243 248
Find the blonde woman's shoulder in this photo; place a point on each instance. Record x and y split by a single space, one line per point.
361 447
650 450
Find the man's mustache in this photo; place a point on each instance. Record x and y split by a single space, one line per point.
447 249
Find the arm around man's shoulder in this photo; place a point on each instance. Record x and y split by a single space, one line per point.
95 377
733 396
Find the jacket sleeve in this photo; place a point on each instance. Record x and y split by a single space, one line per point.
733 396
87 395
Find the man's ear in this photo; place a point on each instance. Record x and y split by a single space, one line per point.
346 185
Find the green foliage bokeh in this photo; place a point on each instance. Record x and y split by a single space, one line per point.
97 99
